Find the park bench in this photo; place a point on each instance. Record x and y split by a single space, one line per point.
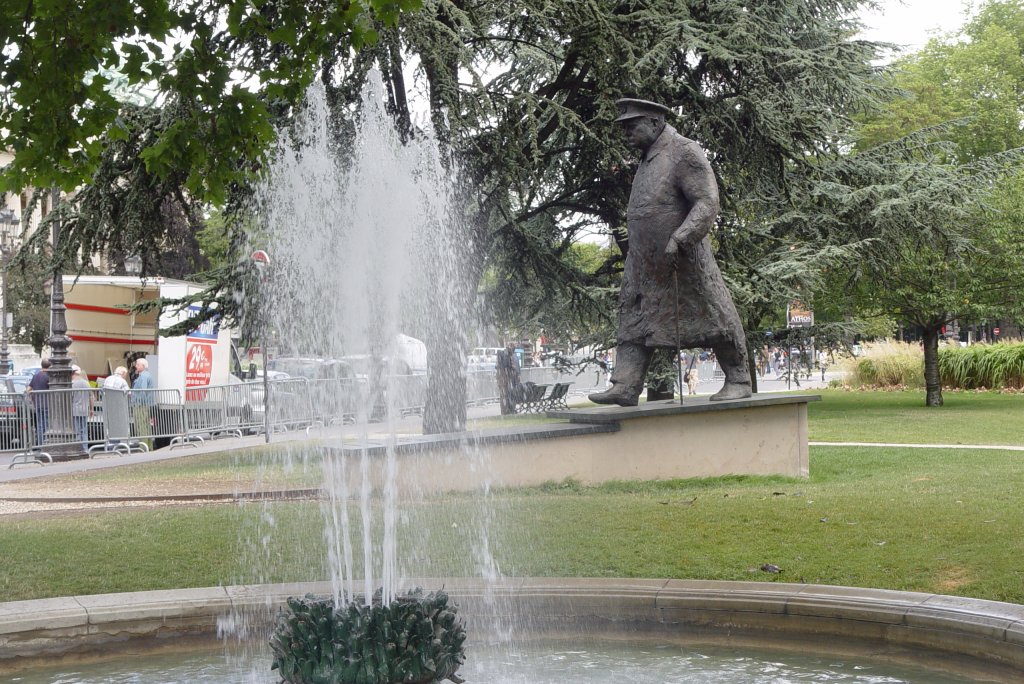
532 394
556 400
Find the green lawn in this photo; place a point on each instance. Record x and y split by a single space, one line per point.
902 417
938 520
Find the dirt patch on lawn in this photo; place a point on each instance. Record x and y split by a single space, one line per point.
953 578
75 493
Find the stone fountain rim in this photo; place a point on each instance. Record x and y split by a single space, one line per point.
989 632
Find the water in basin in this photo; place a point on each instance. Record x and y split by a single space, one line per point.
591 662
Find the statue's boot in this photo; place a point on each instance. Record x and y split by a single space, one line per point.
631 363
617 394
733 360
732 390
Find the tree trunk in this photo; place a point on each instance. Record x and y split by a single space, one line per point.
444 408
932 383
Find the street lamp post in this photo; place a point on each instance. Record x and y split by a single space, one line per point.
62 443
8 230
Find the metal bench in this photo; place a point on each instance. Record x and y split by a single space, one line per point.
530 401
556 399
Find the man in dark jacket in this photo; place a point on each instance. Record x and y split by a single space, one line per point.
40 402
672 295
507 368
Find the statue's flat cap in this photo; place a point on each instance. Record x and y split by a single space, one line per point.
631 109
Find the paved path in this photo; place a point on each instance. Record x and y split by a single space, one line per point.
995 447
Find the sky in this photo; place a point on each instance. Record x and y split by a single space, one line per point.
912 22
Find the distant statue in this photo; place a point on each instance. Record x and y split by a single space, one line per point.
673 295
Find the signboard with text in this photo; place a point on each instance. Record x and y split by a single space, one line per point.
198 368
799 315
208 330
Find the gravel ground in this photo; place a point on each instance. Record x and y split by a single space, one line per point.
50 509
148 493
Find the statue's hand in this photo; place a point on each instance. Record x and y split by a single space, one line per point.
672 248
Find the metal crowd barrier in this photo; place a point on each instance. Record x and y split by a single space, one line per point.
207 412
708 371
18 428
39 420
290 406
117 424
481 387
333 401
408 393
157 418
91 420
117 421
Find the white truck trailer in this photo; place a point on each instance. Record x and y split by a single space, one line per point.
106 333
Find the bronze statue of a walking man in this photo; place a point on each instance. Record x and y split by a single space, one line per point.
673 294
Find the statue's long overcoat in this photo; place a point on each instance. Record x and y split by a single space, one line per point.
674 183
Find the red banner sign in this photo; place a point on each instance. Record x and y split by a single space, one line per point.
198 368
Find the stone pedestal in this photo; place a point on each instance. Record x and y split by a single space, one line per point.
762 435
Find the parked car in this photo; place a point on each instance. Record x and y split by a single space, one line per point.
364 365
246 397
15 412
312 368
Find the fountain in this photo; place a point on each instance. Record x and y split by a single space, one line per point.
364 251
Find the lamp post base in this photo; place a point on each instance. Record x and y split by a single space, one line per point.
63 447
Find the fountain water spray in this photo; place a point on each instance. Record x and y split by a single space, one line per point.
365 241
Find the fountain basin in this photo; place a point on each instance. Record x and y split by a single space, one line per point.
979 638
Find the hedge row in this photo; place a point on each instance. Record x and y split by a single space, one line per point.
895 364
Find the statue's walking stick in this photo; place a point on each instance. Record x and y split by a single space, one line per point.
679 351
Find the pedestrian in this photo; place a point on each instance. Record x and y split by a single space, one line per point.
117 380
81 405
690 378
144 400
822 363
40 382
507 371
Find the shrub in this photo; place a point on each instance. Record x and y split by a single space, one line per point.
886 364
416 639
994 366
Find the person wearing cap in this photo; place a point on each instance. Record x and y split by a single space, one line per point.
81 405
673 294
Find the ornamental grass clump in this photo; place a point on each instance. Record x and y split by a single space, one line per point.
991 366
416 639
886 364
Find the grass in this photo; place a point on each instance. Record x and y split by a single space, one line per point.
943 521
902 418
935 521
